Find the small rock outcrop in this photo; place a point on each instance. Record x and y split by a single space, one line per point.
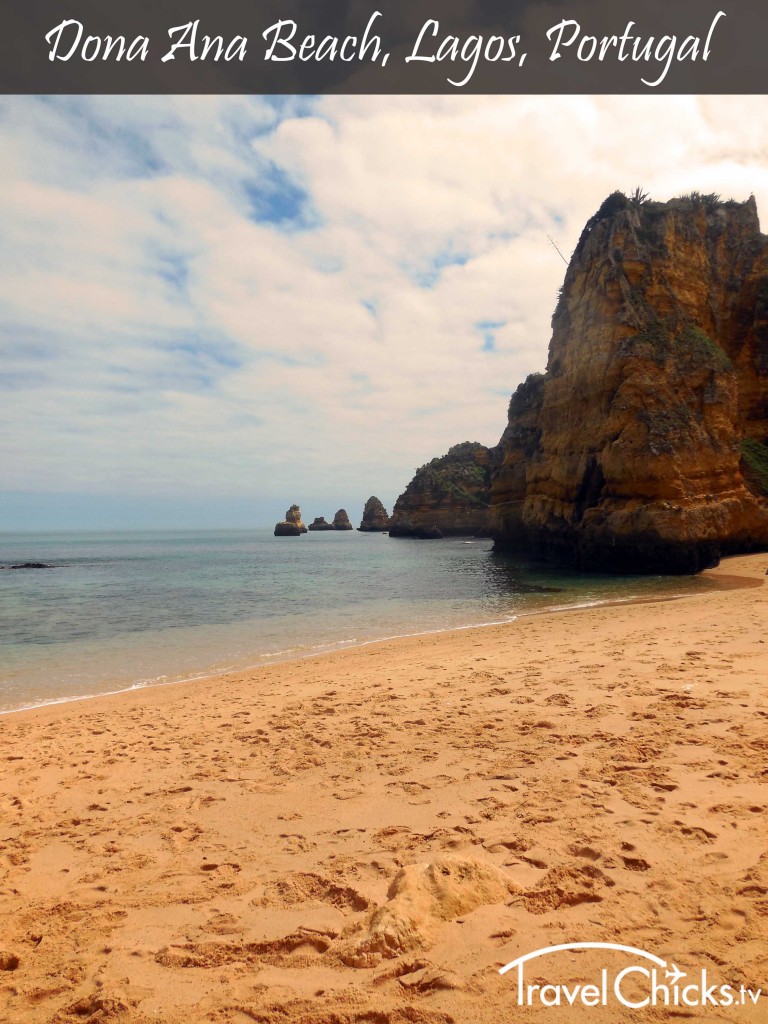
644 446
320 523
30 565
292 525
341 521
293 515
375 518
286 529
449 496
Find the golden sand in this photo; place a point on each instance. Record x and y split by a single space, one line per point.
368 836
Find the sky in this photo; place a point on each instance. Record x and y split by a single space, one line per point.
214 307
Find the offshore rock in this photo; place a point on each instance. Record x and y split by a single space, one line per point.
643 448
286 529
375 518
293 515
292 525
30 565
450 495
341 521
320 523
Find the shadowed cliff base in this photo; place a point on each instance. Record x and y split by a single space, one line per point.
644 446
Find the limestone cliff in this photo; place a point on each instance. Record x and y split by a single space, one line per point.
375 518
450 495
643 446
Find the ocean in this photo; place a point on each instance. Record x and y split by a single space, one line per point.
124 610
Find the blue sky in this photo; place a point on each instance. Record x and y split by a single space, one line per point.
214 307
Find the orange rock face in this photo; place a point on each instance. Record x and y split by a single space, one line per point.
643 446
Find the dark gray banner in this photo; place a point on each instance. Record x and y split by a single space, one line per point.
365 46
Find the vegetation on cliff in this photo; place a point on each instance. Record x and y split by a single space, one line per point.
456 474
755 456
450 494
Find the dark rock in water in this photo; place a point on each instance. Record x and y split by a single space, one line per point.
428 533
532 588
32 565
375 518
287 529
320 523
401 528
452 492
405 528
292 525
341 520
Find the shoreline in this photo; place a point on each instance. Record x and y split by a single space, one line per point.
726 581
371 834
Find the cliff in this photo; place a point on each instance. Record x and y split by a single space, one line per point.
450 495
643 446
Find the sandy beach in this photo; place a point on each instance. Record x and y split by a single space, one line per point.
369 836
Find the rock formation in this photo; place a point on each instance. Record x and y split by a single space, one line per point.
449 496
341 520
375 518
644 446
320 523
286 529
292 525
29 565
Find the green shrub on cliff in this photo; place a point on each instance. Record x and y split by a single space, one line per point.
463 473
755 456
701 348
709 200
690 346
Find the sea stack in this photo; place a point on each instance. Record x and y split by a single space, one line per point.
642 449
341 520
320 523
292 525
286 529
449 496
375 518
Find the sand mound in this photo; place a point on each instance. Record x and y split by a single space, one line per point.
566 886
220 954
308 1013
420 896
304 887
97 1007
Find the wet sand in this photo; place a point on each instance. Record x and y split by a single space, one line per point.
368 836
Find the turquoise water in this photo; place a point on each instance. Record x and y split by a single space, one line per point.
123 610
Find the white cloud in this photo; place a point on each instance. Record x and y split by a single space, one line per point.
263 298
